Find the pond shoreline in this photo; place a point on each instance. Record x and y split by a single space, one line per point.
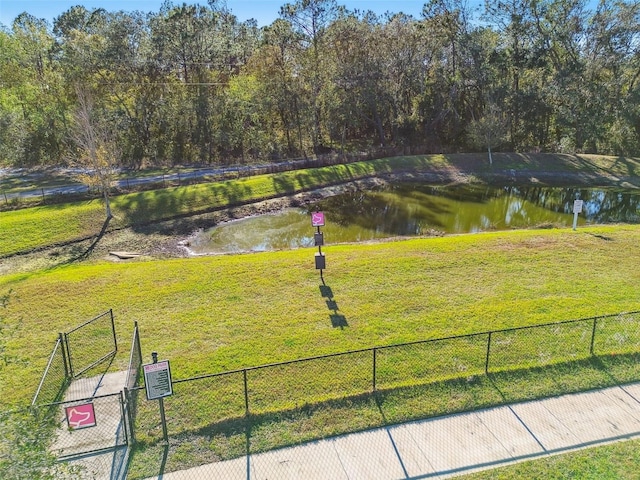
177 231
167 239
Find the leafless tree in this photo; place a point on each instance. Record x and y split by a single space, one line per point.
96 151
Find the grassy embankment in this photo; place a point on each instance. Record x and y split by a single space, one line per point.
25 230
214 314
221 313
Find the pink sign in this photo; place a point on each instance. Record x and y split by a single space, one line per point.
317 219
80 416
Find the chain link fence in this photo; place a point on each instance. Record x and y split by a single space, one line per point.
91 343
130 391
73 354
89 425
55 378
222 419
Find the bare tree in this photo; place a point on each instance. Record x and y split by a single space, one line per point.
489 130
97 154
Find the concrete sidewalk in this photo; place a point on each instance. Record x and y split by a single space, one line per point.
447 446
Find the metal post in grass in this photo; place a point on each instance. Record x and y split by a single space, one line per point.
65 359
67 355
317 220
577 209
593 335
374 368
246 393
157 382
113 330
486 361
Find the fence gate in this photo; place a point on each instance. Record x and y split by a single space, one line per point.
90 344
88 425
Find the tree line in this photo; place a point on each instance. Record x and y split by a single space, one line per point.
192 84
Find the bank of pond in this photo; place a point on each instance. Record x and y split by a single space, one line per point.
412 209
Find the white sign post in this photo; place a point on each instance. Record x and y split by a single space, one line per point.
577 208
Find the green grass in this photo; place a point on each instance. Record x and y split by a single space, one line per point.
213 314
609 462
36 227
220 431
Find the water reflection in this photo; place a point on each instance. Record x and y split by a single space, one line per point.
416 209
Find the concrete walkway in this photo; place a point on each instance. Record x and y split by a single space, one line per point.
447 446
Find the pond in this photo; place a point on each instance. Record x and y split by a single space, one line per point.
417 209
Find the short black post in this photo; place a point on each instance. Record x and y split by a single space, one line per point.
317 220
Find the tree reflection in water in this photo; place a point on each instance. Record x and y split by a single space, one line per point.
415 209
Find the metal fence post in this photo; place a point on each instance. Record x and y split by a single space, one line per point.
67 354
113 329
125 415
246 393
593 335
130 398
65 360
139 347
374 368
486 362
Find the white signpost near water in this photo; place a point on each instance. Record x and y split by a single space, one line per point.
577 208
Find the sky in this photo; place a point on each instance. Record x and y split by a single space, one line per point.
264 11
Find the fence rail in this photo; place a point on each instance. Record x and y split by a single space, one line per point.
202 401
55 377
131 393
74 353
187 176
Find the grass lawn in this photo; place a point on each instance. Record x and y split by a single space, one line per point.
220 313
609 462
212 314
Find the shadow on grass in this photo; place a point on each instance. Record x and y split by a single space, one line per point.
83 254
338 320
238 437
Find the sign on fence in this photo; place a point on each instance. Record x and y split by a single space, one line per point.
80 416
157 380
